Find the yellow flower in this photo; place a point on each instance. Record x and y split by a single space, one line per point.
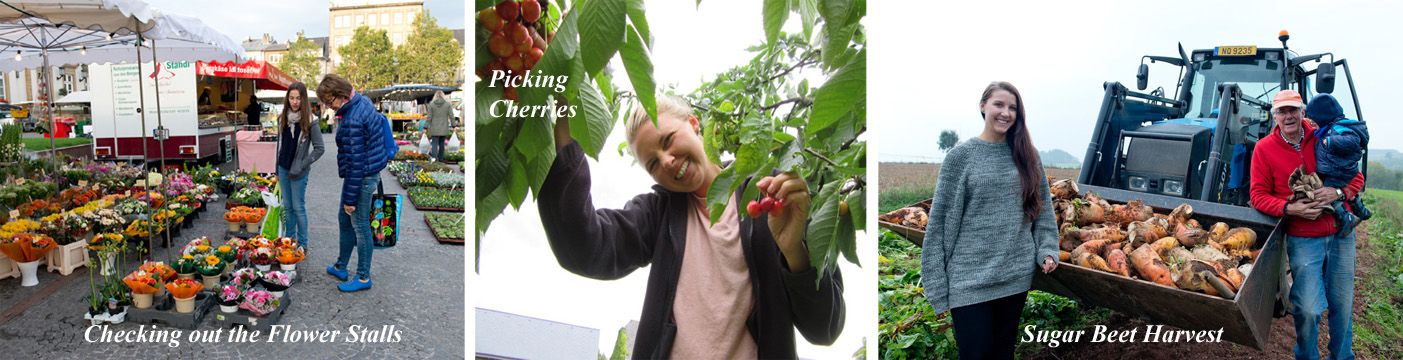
225 248
212 260
188 257
202 248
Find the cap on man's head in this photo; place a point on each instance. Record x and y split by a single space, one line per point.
1287 98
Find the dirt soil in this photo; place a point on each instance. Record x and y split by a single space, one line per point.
1279 343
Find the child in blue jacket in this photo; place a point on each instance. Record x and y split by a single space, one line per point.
1337 155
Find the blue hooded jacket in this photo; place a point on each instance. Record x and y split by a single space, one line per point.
364 143
1342 141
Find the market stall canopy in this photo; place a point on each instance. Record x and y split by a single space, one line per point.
409 92
119 17
268 77
85 32
76 97
276 96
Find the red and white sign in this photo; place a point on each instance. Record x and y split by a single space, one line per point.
268 76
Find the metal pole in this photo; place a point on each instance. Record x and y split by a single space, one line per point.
49 105
145 151
161 127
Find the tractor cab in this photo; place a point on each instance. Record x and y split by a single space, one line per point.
1197 142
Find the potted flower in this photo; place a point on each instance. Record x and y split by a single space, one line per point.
184 291
235 219
245 278
107 245
229 254
186 267
276 282
229 298
258 242
285 243
27 250
262 258
260 302
143 286
289 257
254 218
198 247
210 268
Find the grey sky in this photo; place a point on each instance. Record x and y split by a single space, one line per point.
928 75
282 18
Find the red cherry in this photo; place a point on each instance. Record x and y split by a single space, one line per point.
500 44
533 56
519 34
779 204
508 10
489 19
753 208
530 11
510 94
767 203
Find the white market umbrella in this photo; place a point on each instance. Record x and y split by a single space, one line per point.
76 97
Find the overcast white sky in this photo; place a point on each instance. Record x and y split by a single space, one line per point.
927 75
284 18
520 275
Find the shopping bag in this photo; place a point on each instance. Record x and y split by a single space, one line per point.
452 145
424 144
272 223
384 218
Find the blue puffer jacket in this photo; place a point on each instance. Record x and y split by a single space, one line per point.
361 145
1342 141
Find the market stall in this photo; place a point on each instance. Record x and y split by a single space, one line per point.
404 105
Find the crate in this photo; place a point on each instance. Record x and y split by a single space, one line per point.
250 321
169 317
8 268
66 258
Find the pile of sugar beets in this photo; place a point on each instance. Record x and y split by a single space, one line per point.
1131 240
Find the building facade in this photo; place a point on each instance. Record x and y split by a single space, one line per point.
396 17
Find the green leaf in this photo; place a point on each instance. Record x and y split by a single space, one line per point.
516 180
846 238
640 73
781 136
556 61
534 137
825 227
636 16
594 124
537 169
720 192
840 94
605 84
492 169
776 12
488 128
808 13
601 32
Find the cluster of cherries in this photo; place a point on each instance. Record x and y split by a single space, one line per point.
514 40
766 204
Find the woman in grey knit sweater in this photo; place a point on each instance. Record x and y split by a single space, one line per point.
991 226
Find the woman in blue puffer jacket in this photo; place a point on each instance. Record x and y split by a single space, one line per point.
364 144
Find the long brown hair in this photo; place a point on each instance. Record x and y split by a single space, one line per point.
305 110
1025 156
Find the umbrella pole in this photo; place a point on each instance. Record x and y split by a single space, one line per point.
49 105
161 127
145 149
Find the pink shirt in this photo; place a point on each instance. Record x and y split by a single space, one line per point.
714 297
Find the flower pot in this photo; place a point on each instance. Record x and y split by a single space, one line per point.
28 272
251 227
190 276
264 268
276 294
234 227
287 267
109 263
185 306
142 301
228 309
211 282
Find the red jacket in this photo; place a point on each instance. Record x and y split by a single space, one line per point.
1273 160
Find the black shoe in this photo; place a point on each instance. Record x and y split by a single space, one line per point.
1359 209
1347 222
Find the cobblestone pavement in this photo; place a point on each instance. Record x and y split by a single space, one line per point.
418 289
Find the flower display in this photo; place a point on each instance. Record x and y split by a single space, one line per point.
276 281
141 282
26 247
158 268
186 265
227 252
245 278
138 228
230 295
285 243
211 265
198 246
18 226
289 256
260 302
184 288
262 256
107 242
259 242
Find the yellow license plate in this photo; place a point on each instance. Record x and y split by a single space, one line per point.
1235 51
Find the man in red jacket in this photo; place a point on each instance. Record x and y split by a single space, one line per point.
1322 262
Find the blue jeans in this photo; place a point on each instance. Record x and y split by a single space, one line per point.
294 207
1322 269
436 144
355 230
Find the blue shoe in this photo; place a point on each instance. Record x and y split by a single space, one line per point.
338 273
354 285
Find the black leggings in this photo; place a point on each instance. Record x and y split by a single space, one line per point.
988 330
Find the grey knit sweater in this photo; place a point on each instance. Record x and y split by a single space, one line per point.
977 246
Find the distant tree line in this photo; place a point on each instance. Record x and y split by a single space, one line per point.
1380 177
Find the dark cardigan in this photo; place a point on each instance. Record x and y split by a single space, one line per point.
609 244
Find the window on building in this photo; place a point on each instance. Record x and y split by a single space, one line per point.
360 20
372 20
399 18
